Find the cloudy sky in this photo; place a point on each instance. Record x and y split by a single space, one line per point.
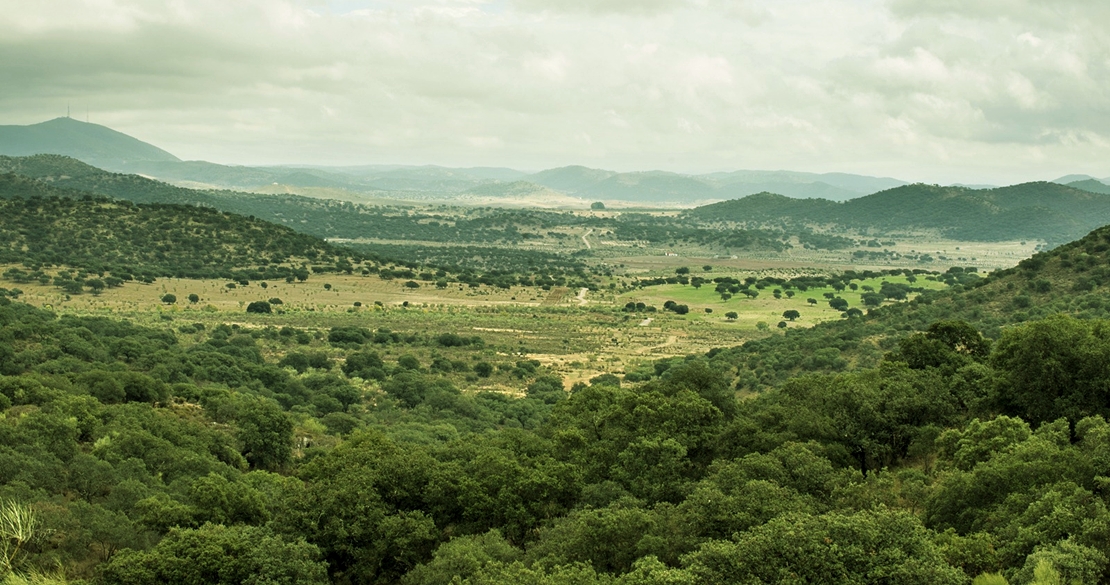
994 91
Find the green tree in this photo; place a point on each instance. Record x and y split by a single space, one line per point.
791 314
1054 368
169 299
363 504
261 307
194 298
218 555
863 547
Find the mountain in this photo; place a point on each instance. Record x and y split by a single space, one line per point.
1091 185
573 179
1049 211
1068 179
843 185
92 143
818 190
662 186
511 189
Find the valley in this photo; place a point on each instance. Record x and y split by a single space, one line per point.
606 396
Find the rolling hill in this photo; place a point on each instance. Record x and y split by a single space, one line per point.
43 225
1092 185
1049 211
92 143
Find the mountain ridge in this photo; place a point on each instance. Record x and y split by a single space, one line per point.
92 143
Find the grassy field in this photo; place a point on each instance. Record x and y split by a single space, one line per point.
765 307
578 340
579 335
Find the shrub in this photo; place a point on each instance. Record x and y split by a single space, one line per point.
259 307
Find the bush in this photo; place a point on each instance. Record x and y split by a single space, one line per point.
259 307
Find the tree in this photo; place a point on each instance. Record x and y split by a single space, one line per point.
863 547
839 304
412 284
682 270
265 431
96 285
731 315
781 325
194 298
259 307
597 206
219 555
169 299
872 299
811 301
1054 368
791 314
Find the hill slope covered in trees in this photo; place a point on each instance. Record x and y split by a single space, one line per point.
1049 211
41 225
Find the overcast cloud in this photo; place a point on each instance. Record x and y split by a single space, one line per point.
933 90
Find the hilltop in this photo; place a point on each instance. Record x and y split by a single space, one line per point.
92 143
1041 210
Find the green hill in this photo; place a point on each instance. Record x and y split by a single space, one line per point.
92 143
1072 279
1048 211
1092 185
43 226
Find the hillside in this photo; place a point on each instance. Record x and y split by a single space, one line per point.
92 143
1092 185
1073 279
43 226
660 186
1048 211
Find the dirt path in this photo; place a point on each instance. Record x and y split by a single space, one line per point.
582 296
585 241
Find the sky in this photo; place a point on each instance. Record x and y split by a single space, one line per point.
939 91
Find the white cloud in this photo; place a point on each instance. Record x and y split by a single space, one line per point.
937 90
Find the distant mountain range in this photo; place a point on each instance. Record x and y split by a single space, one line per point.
111 150
1034 211
115 151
